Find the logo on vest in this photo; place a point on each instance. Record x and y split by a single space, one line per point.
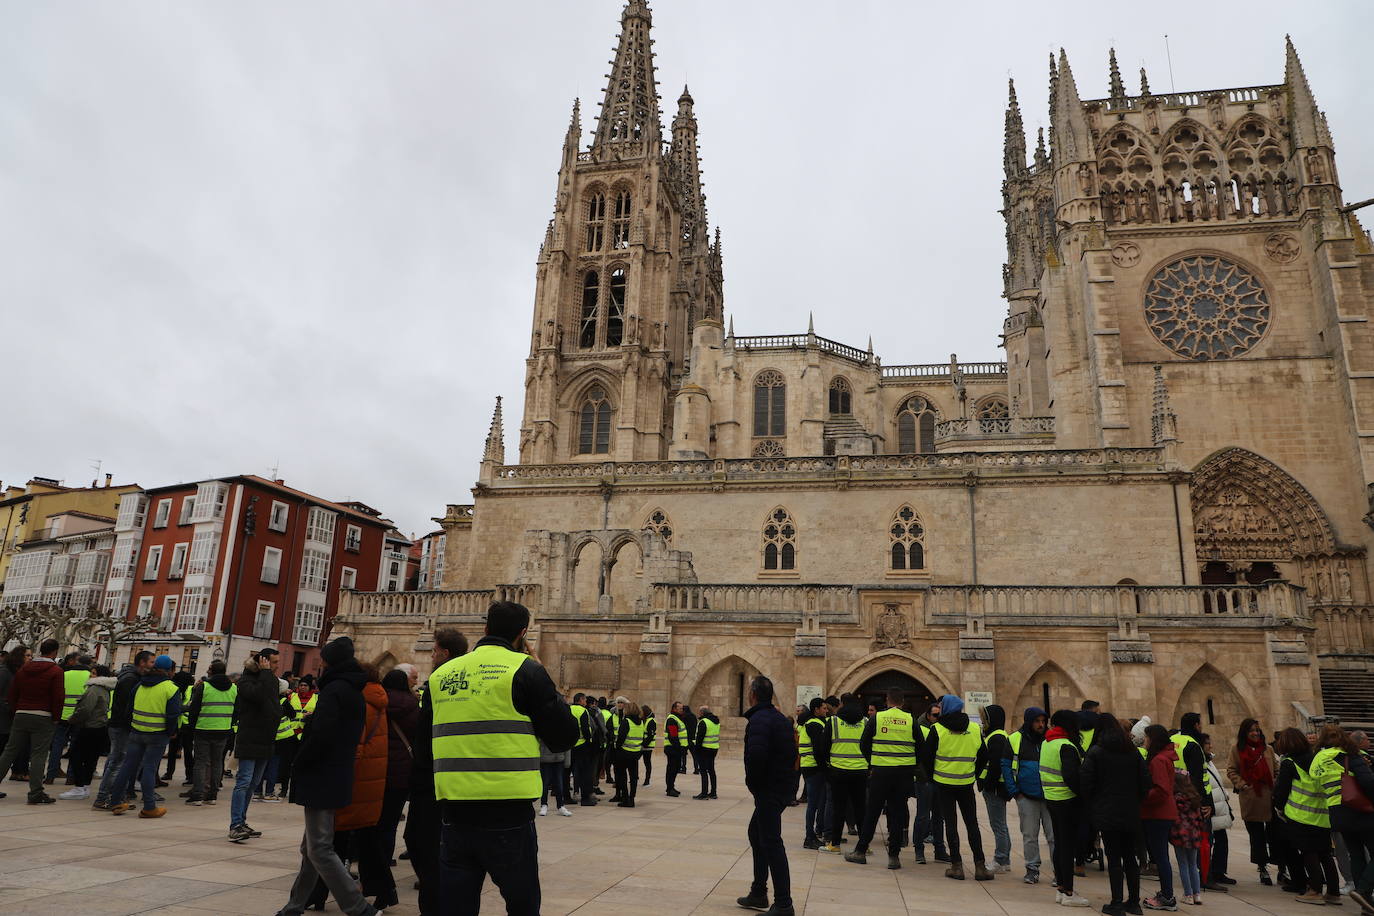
454 682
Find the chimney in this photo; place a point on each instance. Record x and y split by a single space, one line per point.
108 478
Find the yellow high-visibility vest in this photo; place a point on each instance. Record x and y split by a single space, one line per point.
894 739
711 740
150 706
844 745
484 749
73 685
956 755
1051 770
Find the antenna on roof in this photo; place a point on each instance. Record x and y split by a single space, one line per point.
95 465
1170 58
272 474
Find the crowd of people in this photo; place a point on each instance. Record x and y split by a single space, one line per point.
465 757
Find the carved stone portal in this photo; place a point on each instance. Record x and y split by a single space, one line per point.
892 630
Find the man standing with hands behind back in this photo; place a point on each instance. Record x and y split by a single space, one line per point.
770 749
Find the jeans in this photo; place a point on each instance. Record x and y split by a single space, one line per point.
319 862
997 819
208 772
706 763
510 855
244 780
31 737
60 736
928 821
887 791
1189 876
142 755
1119 847
553 779
119 741
267 776
1066 816
1360 844
815 802
765 842
1034 816
1157 839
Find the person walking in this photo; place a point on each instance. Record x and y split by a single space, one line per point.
1353 817
36 694
770 749
257 713
991 784
1251 773
1300 794
1114 781
120 723
627 745
1158 811
210 719
90 735
323 780
1060 758
954 753
491 708
675 743
707 743
813 746
848 767
156 711
1021 777
650 734
891 753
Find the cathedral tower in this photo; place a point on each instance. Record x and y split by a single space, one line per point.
626 269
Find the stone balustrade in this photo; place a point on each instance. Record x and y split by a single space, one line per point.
763 600
1247 605
981 428
444 605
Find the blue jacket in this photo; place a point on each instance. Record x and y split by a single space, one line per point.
1025 779
770 752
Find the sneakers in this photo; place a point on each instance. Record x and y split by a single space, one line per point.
671 793
76 794
1031 877
44 799
543 810
830 847
239 833
194 802
153 812
251 831
272 798
920 857
121 808
1073 900
563 810
1160 902
210 801
753 901
1001 869
702 797
101 805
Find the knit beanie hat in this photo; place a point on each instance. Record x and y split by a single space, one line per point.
337 652
1138 731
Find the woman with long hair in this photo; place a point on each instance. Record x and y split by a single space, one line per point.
1113 780
1158 811
1186 838
1251 773
1355 826
1300 796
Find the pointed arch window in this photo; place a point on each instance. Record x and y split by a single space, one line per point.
594 423
659 523
620 221
908 546
916 426
841 396
779 541
770 397
994 408
591 299
596 221
615 311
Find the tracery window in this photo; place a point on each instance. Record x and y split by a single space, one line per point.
615 313
768 448
596 221
994 408
658 523
1206 307
779 541
908 549
770 412
620 221
916 426
840 396
594 426
591 299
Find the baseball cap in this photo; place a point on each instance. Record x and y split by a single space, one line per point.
164 662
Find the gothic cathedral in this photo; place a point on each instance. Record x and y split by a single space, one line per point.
1159 500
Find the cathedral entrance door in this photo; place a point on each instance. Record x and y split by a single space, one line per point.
874 690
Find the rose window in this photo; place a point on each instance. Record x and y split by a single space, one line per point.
1206 307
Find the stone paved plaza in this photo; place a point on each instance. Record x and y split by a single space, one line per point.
669 855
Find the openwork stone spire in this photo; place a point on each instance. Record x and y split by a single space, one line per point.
1068 126
1163 421
1014 136
1042 158
495 451
630 122
687 170
1118 88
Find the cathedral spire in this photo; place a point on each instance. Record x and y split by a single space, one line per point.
630 121
1163 421
495 450
1309 126
1014 136
1118 88
1042 158
1068 126
687 168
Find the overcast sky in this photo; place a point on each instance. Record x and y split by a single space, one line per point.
245 235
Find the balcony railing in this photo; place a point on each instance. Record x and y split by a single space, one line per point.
453 605
993 428
1008 604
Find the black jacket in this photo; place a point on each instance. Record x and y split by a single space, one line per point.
322 776
820 740
1113 786
689 719
998 749
1344 817
770 750
122 700
257 710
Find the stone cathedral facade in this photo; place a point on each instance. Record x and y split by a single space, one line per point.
1158 499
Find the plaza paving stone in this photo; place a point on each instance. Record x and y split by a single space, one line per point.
666 855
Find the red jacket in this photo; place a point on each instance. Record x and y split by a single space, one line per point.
39 686
369 767
1159 804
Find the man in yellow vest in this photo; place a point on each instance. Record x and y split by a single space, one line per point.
210 716
891 751
813 747
995 792
675 744
707 744
954 753
491 708
157 708
584 751
848 766
76 672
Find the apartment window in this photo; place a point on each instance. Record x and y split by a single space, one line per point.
150 569
309 620
314 569
145 607
92 567
115 604
210 500
164 513
353 538
262 620
271 566
320 526
188 510
203 549
178 561
169 613
348 578
132 508
281 513
195 605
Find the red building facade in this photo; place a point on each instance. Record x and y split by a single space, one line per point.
231 566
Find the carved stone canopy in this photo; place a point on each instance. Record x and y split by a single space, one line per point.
1245 507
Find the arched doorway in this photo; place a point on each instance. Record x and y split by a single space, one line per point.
874 690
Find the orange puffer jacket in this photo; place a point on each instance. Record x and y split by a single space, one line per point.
369 769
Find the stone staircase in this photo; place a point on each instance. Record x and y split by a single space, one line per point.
1348 694
845 429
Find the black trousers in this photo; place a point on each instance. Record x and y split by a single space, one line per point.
1065 817
184 741
422 834
626 774
846 790
584 772
888 788
87 747
1119 846
673 766
648 758
1261 836
510 855
965 799
1318 864
770 855
706 759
